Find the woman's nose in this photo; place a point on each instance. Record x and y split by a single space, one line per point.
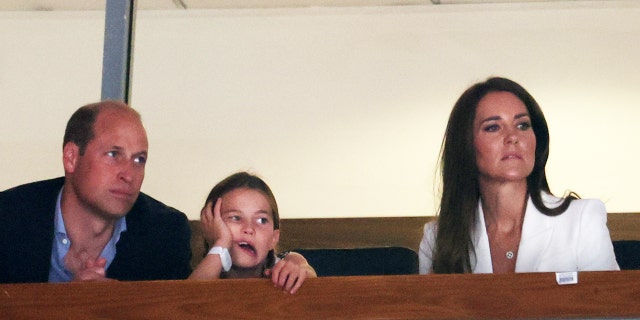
511 137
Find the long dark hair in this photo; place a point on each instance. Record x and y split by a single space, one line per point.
460 187
248 181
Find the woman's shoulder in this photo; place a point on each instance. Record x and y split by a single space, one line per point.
577 206
429 230
431 225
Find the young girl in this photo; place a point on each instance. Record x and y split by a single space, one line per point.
241 225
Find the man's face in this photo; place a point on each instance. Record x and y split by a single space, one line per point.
106 180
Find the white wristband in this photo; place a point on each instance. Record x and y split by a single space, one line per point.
225 257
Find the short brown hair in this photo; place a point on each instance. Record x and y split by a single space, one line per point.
79 129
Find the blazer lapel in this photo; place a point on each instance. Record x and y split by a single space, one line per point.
535 238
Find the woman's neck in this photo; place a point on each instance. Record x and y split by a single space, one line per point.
504 204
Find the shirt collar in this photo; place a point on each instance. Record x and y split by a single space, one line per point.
120 226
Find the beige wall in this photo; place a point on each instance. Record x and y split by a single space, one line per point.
341 110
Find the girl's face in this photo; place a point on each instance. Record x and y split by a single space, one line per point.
249 217
504 140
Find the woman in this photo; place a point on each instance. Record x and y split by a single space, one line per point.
497 214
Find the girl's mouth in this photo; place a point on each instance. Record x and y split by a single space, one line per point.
247 247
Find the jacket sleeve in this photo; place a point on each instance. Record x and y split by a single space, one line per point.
425 254
595 249
180 251
156 245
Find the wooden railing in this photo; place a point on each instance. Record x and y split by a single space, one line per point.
396 231
405 232
597 295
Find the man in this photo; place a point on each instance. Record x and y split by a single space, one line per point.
94 223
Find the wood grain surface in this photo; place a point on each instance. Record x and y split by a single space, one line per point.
532 295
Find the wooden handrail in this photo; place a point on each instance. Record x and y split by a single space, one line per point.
396 231
533 295
318 233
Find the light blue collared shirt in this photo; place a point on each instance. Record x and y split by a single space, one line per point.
61 244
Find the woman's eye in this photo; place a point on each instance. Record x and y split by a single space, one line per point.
491 128
524 126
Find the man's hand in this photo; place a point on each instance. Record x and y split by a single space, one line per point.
94 270
85 268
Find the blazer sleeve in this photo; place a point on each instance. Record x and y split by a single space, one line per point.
425 253
595 249
156 245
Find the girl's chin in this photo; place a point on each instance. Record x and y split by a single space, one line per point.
248 265
246 271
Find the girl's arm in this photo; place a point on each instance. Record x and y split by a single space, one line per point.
209 268
217 233
290 272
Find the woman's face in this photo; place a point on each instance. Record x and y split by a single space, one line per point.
504 140
248 215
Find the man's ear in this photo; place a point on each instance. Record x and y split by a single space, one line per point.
70 154
275 239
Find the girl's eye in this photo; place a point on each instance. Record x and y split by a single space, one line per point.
491 128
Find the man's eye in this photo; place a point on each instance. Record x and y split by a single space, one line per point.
234 218
112 154
140 160
263 220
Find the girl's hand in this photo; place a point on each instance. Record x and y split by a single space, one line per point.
215 231
290 272
217 234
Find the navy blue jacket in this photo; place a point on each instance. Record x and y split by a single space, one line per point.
156 245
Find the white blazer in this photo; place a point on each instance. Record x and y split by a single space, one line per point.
576 240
